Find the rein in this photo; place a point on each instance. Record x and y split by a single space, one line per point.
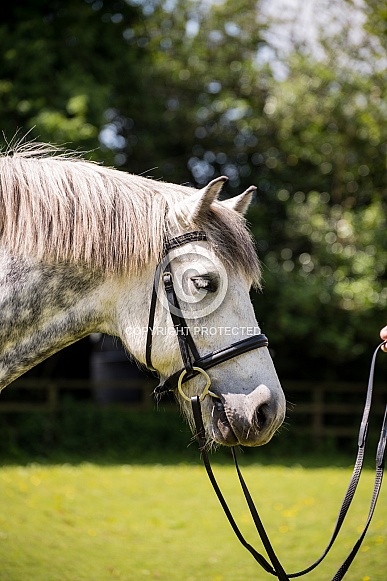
275 567
194 364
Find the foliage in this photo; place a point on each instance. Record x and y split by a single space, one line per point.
56 76
83 432
187 90
330 242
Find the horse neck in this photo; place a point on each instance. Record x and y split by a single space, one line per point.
43 308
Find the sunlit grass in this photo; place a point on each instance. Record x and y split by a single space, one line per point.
86 522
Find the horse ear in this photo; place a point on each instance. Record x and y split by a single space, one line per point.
240 203
198 203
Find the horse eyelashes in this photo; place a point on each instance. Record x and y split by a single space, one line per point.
204 283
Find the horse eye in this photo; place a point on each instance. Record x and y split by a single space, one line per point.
205 283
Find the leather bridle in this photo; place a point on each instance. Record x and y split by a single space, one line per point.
274 567
194 364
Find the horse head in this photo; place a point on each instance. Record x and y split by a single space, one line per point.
79 248
211 276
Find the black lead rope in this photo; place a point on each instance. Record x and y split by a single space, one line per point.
194 363
200 435
355 477
276 568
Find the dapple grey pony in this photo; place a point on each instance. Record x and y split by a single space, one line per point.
79 247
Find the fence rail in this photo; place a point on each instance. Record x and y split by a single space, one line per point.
49 395
319 409
333 409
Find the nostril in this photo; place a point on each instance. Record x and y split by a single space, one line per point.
259 417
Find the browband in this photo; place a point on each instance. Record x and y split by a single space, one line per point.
196 236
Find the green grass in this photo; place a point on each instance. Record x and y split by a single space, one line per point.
88 522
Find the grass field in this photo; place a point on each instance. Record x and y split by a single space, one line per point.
141 522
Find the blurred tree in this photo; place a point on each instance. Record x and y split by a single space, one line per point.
188 90
376 25
328 163
203 70
56 74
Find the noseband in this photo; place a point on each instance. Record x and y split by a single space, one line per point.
193 363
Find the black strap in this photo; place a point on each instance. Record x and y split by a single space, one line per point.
151 319
380 458
377 485
183 334
355 477
200 435
215 358
195 236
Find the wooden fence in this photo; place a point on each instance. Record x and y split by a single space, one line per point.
332 409
50 395
318 409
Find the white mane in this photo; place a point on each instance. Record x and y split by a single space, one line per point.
60 207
